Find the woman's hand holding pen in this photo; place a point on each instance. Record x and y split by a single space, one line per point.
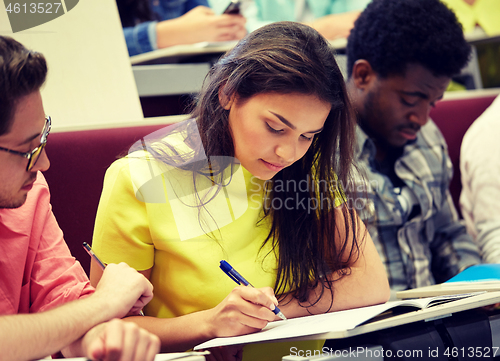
244 310
124 289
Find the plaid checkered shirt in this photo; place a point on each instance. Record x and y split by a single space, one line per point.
423 247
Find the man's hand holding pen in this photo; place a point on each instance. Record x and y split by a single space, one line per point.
124 289
102 266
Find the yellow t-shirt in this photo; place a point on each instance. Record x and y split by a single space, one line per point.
148 218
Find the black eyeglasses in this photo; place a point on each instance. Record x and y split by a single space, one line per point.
35 153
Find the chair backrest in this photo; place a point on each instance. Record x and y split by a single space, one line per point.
79 160
454 117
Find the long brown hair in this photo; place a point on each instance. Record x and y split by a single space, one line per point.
283 58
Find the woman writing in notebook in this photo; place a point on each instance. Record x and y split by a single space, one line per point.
254 178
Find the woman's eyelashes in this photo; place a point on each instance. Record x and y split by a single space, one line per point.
279 131
273 130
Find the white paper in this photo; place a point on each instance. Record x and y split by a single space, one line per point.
305 326
317 324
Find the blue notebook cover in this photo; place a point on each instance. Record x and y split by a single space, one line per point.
478 273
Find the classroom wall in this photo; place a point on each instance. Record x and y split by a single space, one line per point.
90 82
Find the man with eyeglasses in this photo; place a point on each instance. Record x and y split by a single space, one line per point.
46 302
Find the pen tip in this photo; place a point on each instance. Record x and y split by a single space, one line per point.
281 315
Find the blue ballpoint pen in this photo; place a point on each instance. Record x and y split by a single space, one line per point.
99 262
239 279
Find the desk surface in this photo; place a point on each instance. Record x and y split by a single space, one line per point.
175 54
180 53
426 314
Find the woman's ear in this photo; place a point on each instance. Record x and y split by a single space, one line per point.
224 100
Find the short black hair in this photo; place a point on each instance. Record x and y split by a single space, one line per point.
390 34
22 72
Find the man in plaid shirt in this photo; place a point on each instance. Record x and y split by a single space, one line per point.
401 57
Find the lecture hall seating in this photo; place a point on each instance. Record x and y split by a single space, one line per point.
79 160
453 117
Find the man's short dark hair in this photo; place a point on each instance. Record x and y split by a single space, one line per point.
390 34
22 72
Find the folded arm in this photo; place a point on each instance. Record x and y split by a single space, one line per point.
29 336
335 26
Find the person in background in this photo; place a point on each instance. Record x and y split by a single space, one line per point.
401 56
252 179
480 20
39 279
477 13
155 24
480 171
331 18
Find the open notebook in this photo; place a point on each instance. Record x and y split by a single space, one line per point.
330 322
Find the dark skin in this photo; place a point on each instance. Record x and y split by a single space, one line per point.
392 110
